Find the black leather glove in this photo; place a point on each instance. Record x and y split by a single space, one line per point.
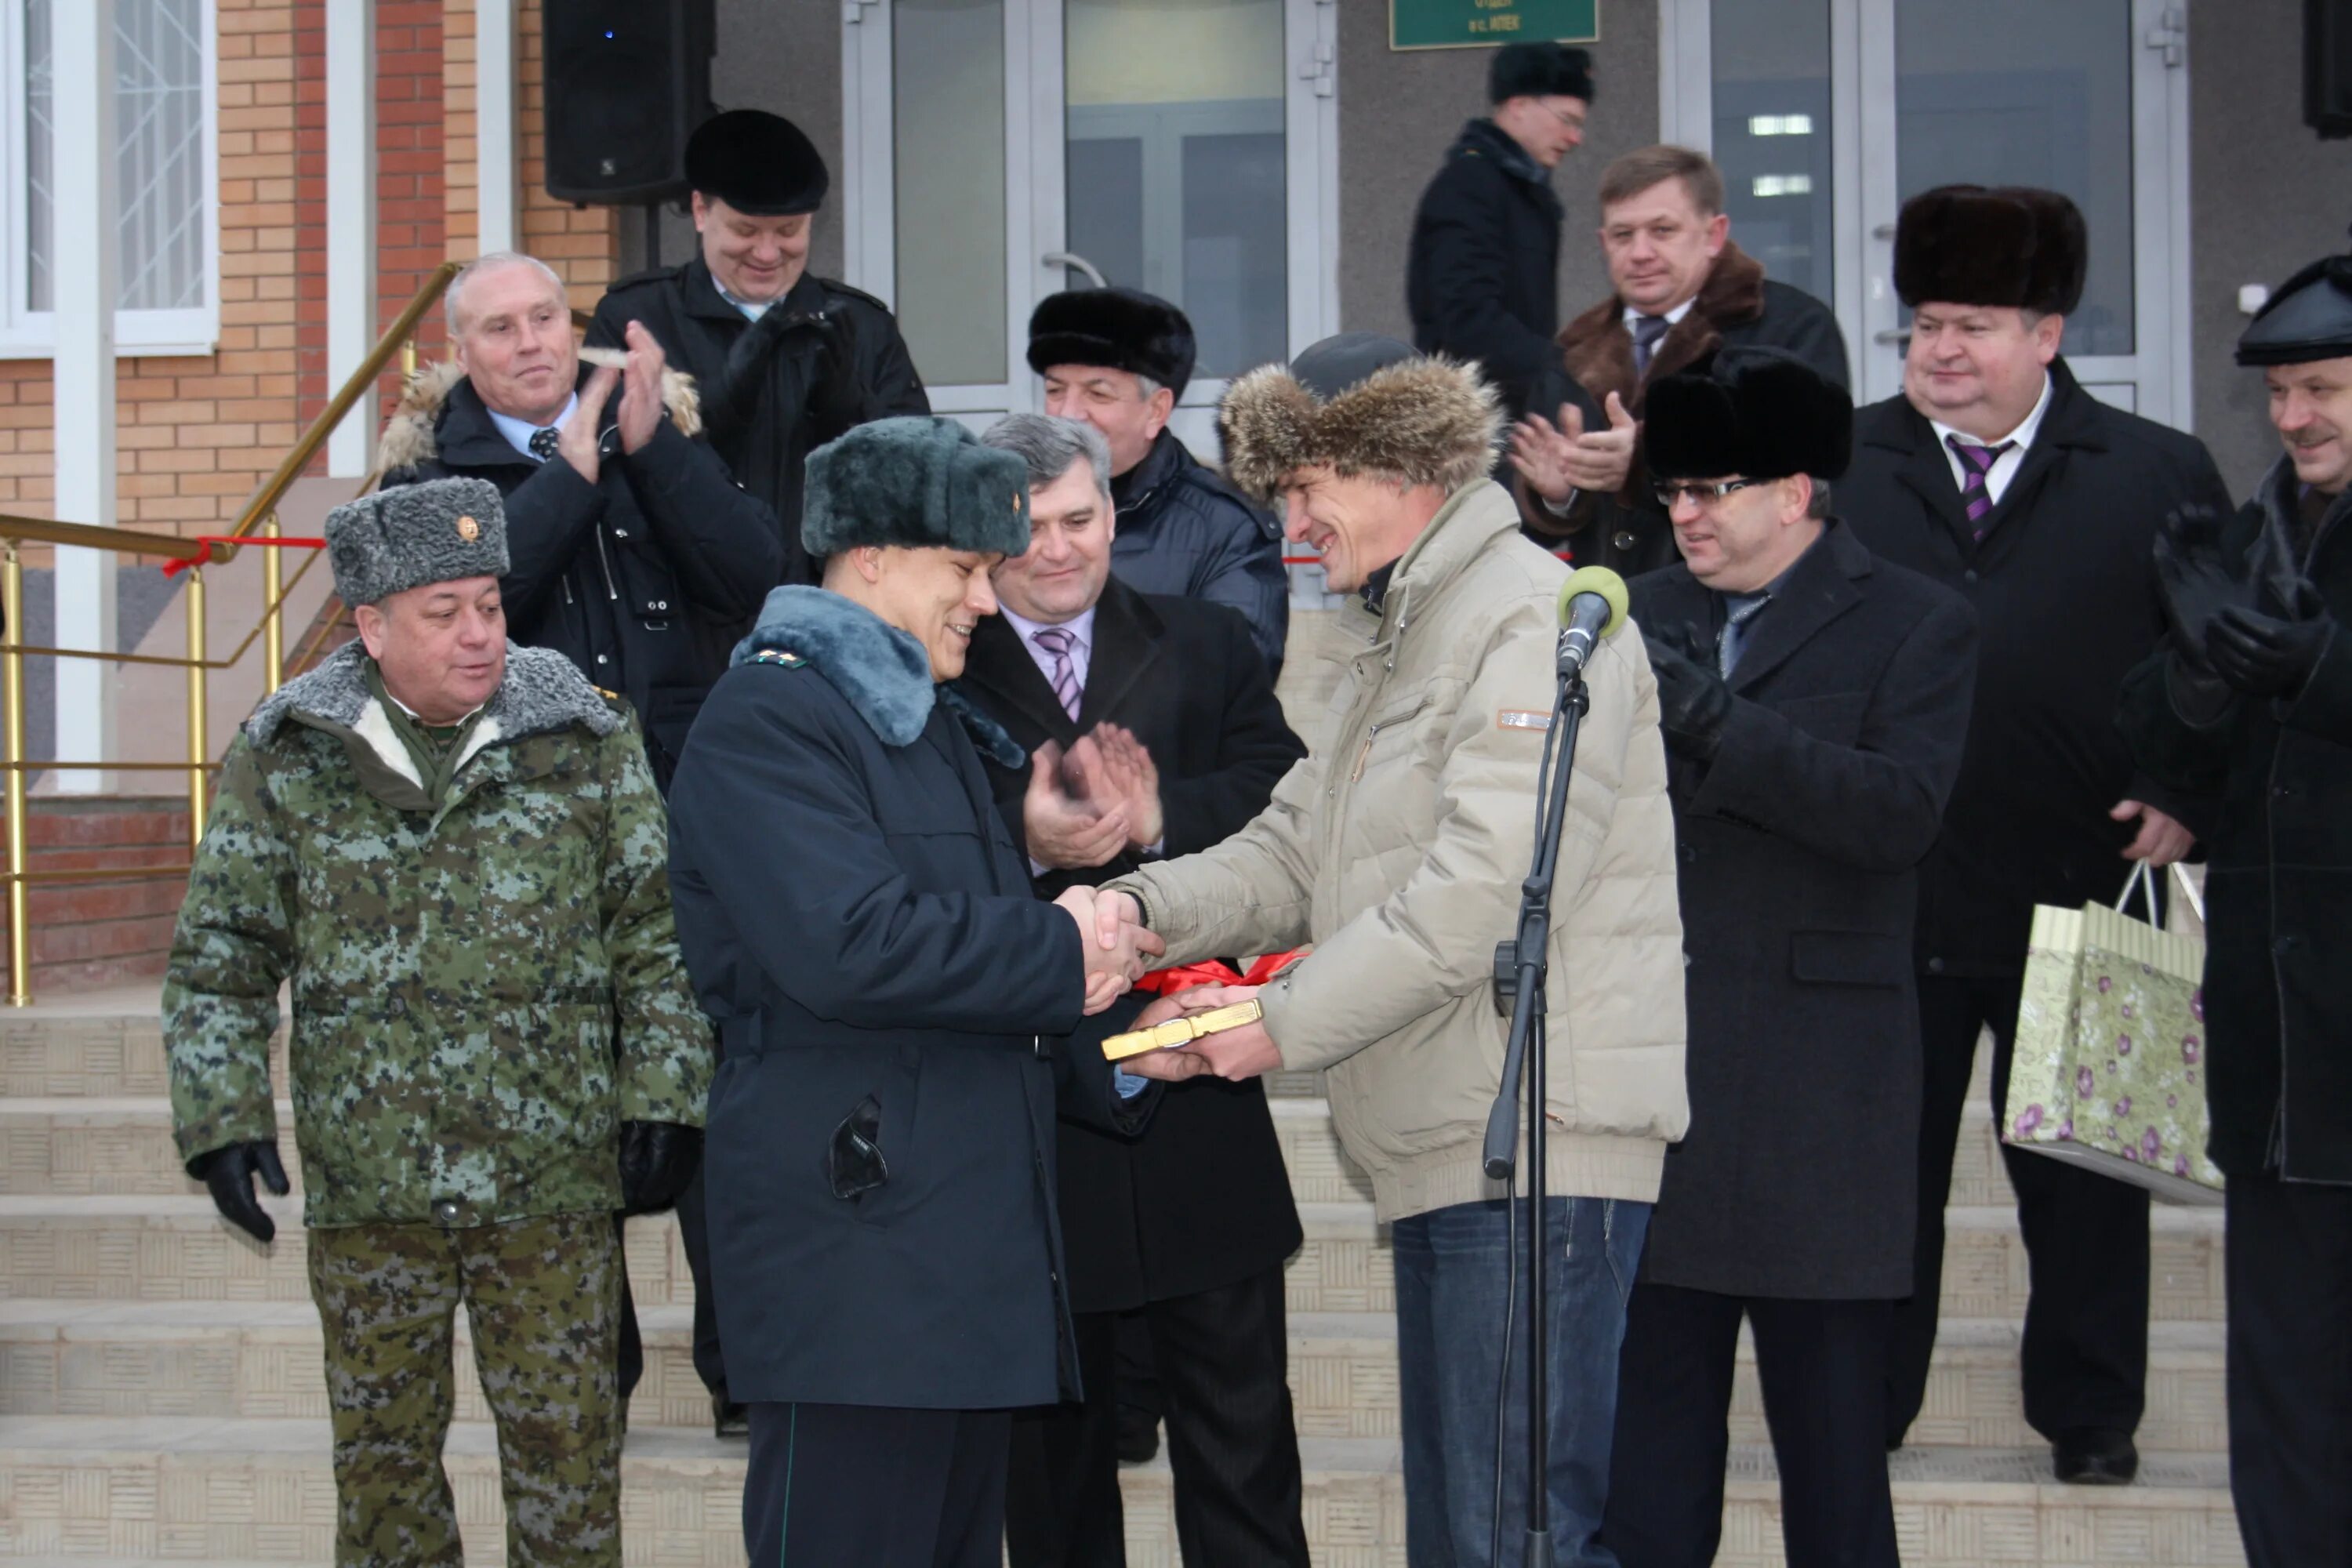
837 402
1694 704
729 406
2198 583
2265 655
658 1160
230 1170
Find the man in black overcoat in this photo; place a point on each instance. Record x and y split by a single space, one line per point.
785 360
635 554
903 1020
1995 473
1680 290
2252 701
1153 731
1813 702
1118 359
1482 276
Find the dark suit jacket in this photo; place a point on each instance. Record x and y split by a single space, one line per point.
1799 848
2063 584
1202 1199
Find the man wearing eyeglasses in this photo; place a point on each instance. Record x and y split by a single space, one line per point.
1482 279
1813 702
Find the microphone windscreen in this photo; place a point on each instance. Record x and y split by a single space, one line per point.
1595 580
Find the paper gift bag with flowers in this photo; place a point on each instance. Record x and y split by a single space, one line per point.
2109 1066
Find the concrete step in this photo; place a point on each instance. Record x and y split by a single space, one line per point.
257 1359
177 1249
253 1491
89 1145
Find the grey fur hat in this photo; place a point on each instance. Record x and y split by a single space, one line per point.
410 535
918 481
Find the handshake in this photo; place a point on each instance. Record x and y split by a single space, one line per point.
1117 946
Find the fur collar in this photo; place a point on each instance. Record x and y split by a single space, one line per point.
542 691
881 670
412 435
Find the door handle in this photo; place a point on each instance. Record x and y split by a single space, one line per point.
1075 263
1891 335
1884 231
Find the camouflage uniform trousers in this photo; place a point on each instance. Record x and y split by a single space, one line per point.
543 1298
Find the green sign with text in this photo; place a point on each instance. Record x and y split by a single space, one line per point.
1471 23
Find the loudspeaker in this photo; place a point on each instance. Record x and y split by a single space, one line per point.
2327 67
627 81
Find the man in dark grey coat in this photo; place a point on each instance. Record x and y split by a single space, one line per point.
1813 702
2253 701
1481 279
902 1021
1118 359
1996 474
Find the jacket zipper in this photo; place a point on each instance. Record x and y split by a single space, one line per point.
604 562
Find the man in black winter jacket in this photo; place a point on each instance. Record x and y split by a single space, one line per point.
1481 279
635 554
1118 359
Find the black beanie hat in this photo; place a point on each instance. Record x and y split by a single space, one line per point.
1754 412
1539 70
760 164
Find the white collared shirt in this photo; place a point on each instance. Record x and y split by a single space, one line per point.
2004 468
1674 317
752 309
518 432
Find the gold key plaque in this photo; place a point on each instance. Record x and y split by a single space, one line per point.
1182 1031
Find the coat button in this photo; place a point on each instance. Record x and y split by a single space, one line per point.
445 1211
400 1006
620 533
1624 539
601 659
1970 575
2284 945
1934 966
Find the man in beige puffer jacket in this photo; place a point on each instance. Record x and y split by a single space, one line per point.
1397 848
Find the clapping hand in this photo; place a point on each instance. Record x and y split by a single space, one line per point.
1119 947
1694 703
576 443
1066 834
2270 656
1113 773
2198 583
1557 461
641 388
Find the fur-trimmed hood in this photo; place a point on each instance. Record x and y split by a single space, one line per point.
542 691
411 435
1427 420
883 671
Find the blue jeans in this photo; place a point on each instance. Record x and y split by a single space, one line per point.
1452 1265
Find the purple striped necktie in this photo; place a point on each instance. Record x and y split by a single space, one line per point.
1975 464
1058 642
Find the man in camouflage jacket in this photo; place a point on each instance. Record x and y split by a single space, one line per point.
451 851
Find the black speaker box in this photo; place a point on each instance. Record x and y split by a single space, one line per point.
2328 66
626 82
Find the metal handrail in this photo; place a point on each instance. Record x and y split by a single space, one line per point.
258 517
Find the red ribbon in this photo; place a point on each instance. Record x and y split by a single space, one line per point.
1168 982
173 568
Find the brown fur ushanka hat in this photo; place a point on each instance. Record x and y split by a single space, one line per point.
2013 246
1418 419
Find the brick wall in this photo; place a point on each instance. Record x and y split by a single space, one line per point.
196 436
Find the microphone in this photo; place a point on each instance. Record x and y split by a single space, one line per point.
1591 607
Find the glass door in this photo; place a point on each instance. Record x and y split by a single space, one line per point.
999 150
1826 115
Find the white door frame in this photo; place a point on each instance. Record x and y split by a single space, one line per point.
1862 118
1035 214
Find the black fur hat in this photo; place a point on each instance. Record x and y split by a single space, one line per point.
919 481
1754 412
760 164
1123 328
2005 245
1539 70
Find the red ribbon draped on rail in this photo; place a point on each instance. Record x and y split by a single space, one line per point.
1184 978
173 568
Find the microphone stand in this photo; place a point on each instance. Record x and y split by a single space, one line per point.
1520 968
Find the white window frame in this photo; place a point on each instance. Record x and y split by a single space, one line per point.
31 334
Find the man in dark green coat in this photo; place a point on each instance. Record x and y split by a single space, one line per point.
2251 700
450 851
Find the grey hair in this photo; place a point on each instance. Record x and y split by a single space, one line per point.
1144 385
1818 506
1050 447
452 301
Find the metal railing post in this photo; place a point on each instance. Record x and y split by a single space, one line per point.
12 691
197 726
273 616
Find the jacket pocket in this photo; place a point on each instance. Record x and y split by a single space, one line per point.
1848 958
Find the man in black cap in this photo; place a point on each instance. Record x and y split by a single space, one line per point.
1994 472
2252 701
785 361
1482 279
1813 702
903 1021
1119 359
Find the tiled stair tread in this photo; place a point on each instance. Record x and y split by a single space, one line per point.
101 1438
